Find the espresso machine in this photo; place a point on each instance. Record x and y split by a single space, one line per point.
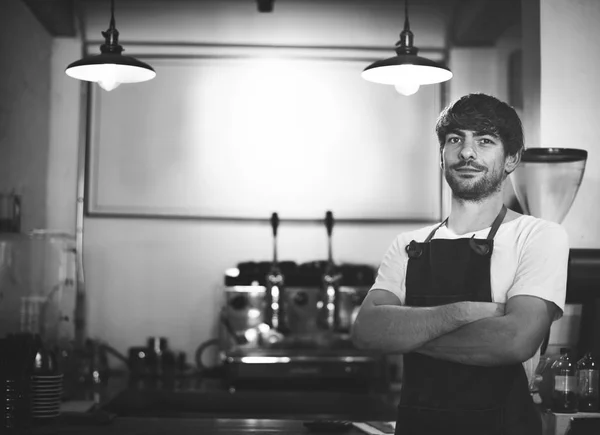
288 325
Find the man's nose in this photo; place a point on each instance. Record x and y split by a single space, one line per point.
468 151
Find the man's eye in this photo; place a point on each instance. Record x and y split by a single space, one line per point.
453 139
486 141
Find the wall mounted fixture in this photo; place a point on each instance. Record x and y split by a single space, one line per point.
110 68
406 71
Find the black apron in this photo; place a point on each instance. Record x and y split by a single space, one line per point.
441 397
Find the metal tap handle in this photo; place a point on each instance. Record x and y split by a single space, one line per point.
329 222
274 223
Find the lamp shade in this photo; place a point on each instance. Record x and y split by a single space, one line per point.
110 69
406 68
406 71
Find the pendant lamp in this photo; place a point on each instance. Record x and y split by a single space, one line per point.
406 71
110 68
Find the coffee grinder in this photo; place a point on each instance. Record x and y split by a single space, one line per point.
546 184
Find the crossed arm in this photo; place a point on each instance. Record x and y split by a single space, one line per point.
477 333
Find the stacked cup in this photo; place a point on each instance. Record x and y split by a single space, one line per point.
45 386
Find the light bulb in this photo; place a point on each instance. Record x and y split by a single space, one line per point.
107 80
407 88
108 84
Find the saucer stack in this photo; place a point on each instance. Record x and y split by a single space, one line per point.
45 396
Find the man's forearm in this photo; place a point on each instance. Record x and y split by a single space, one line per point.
486 342
402 329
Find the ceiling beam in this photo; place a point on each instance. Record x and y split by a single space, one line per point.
57 16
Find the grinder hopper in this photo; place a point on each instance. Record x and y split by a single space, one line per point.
547 180
546 183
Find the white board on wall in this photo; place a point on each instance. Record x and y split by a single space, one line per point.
243 137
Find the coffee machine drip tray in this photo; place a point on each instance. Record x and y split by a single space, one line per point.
303 369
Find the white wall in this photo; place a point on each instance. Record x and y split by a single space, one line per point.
26 51
64 137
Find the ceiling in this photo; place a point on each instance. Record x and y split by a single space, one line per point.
472 22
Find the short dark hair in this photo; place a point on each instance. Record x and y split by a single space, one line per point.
485 114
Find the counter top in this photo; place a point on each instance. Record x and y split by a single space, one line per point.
191 426
206 398
205 406
252 404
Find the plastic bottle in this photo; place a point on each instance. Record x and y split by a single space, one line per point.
587 380
565 393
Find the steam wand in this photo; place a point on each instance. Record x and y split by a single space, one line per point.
274 281
330 278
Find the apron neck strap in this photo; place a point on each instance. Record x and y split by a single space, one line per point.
432 233
495 225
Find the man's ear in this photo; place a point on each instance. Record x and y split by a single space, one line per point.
512 161
441 157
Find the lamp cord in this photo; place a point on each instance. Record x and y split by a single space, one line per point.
111 36
405 43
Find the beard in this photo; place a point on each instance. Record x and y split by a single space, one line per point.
489 182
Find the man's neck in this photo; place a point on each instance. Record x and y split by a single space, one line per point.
466 217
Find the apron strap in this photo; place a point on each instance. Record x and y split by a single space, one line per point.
432 233
495 225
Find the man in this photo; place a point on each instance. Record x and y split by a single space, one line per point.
469 301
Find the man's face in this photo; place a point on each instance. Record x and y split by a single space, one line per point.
475 164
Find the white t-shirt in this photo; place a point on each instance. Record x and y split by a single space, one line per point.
530 257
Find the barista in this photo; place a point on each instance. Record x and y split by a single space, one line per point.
469 301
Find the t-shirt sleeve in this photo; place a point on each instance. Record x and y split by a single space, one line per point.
542 269
392 270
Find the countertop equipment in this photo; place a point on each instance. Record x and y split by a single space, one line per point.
546 183
547 180
283 321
